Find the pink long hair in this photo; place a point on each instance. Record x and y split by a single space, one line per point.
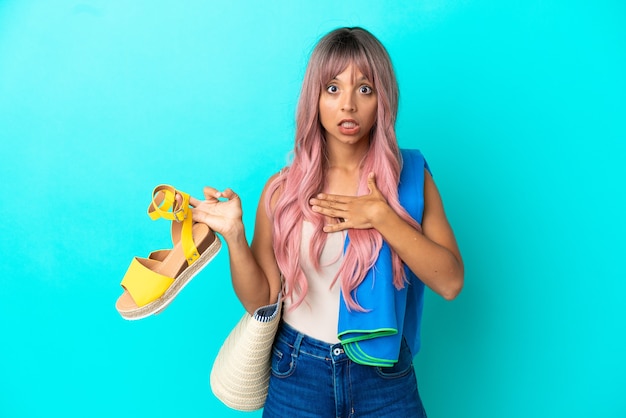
305 176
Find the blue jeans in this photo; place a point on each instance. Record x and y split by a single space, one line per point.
311 378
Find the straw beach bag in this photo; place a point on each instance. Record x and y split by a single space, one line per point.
241 371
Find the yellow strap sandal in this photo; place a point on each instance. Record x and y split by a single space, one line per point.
150 284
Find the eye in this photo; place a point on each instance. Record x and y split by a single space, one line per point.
332 89
365 89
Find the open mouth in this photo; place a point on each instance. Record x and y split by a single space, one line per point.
348 124
349 127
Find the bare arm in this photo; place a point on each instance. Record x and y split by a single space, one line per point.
262 245
433 254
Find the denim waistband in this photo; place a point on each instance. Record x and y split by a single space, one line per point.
309 345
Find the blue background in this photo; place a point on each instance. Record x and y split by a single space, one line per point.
519 108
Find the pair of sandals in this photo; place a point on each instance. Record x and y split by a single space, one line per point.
151 284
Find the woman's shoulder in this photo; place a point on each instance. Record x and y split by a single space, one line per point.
274 186
276 180
411 151
413 158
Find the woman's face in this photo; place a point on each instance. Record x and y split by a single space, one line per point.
348 107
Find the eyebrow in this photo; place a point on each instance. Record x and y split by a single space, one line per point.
363 78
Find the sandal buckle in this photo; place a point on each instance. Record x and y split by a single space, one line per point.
177 217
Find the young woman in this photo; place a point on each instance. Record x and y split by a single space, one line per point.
323 223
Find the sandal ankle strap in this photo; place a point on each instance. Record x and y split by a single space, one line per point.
164 205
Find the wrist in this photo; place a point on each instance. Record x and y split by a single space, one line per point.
381 214
234 235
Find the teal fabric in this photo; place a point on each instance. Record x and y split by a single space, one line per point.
373 337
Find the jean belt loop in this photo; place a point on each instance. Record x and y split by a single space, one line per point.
297 343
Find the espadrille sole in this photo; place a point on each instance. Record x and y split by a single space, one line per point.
157 306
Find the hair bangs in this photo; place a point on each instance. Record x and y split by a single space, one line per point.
340 55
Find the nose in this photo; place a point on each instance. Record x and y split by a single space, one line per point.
348 103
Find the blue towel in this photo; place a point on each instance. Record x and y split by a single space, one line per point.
374 337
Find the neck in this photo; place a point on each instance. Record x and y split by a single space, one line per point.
346 156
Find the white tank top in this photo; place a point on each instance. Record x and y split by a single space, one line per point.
318 315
